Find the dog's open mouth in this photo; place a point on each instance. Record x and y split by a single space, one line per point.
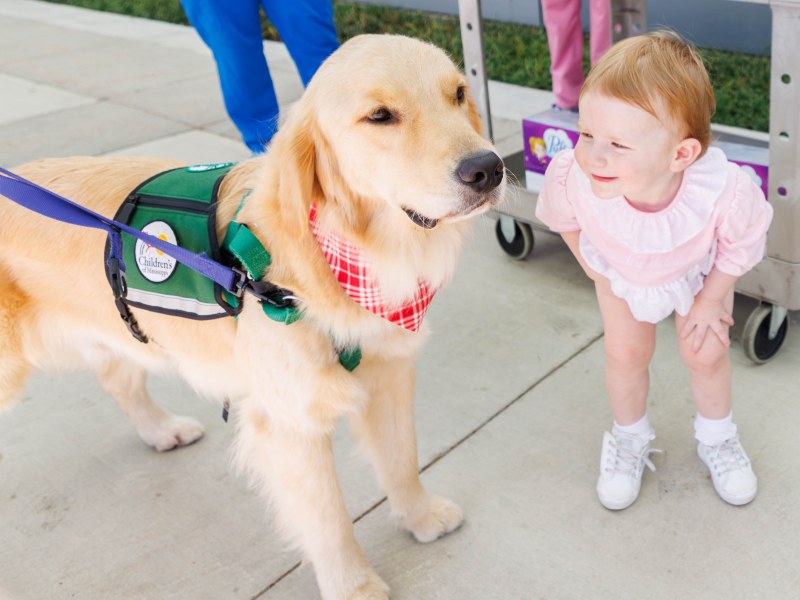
422 221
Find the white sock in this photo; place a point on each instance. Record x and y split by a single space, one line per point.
640 429
713 431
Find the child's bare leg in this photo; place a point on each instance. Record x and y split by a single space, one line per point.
719 447
629 346
709 369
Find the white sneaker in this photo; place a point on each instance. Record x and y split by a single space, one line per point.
622 462
731 471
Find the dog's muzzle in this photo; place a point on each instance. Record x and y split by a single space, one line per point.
481 173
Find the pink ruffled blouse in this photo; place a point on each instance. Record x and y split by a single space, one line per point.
657 261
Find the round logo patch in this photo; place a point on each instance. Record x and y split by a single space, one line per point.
152 263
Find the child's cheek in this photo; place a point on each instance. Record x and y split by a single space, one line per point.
580 156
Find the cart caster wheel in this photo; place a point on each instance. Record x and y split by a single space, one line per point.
759 345
515 238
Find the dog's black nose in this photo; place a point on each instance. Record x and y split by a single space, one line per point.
482 172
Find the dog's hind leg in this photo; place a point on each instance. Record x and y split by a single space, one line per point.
295 470
386 431
158 428
14 368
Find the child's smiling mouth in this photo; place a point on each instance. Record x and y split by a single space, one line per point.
602 179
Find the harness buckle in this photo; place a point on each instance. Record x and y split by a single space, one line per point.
272 294
240 285
119 284
119 287
130 321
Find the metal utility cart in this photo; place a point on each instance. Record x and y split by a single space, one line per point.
775 282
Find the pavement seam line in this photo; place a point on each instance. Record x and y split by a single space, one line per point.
458 443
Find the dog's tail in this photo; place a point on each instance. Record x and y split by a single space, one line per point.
14 368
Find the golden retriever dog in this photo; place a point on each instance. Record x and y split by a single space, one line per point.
385 144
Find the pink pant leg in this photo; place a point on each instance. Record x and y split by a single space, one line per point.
562 20
599 28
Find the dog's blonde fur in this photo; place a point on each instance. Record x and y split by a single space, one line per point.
285 384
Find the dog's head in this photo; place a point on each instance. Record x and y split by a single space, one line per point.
387 127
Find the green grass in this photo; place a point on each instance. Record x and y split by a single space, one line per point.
514 53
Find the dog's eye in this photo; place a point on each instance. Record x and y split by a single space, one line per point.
460 94
381 115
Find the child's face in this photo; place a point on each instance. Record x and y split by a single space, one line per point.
626 151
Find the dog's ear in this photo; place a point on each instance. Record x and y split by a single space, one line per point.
298 186
308 171
333 187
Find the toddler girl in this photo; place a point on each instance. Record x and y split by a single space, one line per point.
661 222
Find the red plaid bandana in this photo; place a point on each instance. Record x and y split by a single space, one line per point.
352 273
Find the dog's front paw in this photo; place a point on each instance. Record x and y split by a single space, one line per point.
172 432
374 589
442 517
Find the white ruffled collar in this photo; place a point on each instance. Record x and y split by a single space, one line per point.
663 231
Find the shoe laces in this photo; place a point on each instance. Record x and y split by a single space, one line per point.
728 456
625 459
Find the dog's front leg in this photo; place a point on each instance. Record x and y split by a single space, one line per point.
386 431
157 427
295 469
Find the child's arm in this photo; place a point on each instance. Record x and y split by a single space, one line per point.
709 310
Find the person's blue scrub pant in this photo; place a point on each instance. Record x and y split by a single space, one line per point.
232 30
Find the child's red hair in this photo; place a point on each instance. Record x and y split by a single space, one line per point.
659 69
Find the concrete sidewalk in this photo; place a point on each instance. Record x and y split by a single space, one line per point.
511 407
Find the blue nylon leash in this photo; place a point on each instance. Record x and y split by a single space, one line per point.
47 203
276 303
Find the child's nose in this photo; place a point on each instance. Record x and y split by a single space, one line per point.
597 156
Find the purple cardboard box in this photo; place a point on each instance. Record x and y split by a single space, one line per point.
546 133
753 159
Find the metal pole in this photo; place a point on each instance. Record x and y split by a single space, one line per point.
784 131
776 279
469 12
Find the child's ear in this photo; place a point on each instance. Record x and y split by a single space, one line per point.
686 153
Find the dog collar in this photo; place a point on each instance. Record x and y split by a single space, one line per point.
352 272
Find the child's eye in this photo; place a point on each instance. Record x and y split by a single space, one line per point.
587 136
620 146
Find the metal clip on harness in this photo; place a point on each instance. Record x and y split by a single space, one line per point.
120 288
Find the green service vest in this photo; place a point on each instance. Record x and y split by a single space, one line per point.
178 206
